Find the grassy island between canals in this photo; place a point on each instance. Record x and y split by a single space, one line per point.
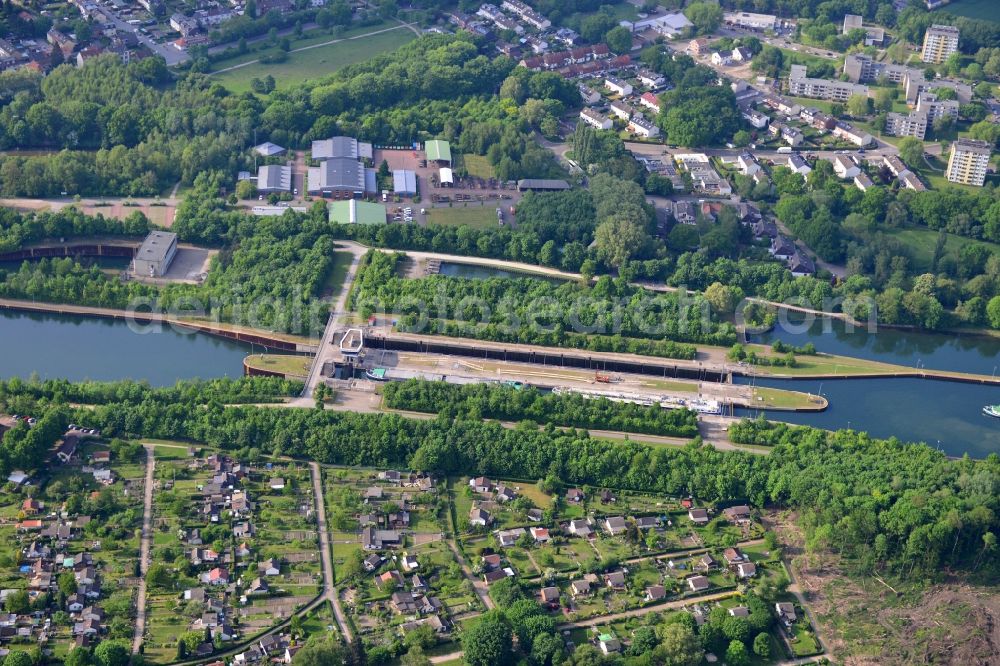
290 365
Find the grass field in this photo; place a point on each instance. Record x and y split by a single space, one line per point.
986 10
480 217
287 363
922 242
314 62
478 165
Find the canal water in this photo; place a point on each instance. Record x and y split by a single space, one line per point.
938 413
937 351
78 348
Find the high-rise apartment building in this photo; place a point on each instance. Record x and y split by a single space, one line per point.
968 161
940 41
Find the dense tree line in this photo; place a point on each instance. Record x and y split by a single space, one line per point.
19 229
512 404
882 503
528 309
24 446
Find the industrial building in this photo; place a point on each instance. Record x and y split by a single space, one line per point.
274 178
940 41
438 151
155 254
541 185
341 146
404 182
968 161
751 20
353 211
342 176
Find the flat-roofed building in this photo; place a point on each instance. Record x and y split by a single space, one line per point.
940 41
860 68
542 185
801 85
751 20
968 161
153 257
274 178
906 124
929 103
404 182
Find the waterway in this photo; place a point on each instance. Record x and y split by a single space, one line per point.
938 351
936 412
79 348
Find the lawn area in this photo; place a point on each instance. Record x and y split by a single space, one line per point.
985 10
480 217
287 363
478 165
921 243
780 399
315 62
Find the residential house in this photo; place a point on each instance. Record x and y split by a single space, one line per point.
580 527
746 569
479 517
389 580
608 644
588 95
481 484
372 562
756 118
733 556
698 516
507 538
622 110
409 563
655 593
574 495
549 597
650 101
722 58
618 86
270 567
596 119
782 248
698 583
615 525
579 588
615 580
739 611
748 163
845 167
539 534
640 126
737 514
647 522
505 493
650 79
786 612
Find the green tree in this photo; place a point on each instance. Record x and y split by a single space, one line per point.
706 16
17 602
78 656
858 106
911 151
618 239
679 646
320 650
111 653
736 654
619 39
18 658
489 642
993 311
762 645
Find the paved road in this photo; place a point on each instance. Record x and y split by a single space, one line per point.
326 553
327 350
147 537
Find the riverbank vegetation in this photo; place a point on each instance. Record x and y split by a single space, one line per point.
507 403
882 504
610 316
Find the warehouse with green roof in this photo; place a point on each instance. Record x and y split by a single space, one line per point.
353 211
438 151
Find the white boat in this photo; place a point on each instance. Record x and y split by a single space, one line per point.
992 410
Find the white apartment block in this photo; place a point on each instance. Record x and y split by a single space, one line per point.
940 41
909 124
968 161
800 85
928 103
